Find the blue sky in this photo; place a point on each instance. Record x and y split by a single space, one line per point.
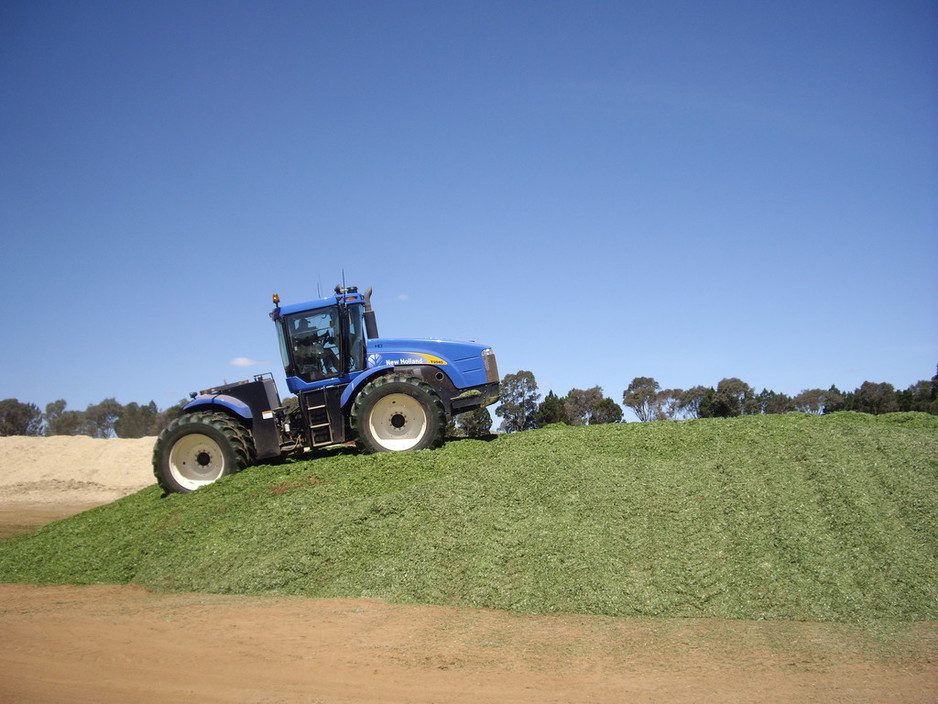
600 190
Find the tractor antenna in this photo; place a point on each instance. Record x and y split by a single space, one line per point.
340 288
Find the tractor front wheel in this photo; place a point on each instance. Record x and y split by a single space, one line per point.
198 448
396 412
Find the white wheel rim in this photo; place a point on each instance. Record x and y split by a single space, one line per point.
397 422
196 460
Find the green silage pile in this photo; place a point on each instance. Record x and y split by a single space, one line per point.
783 517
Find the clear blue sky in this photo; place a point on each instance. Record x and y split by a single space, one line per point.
600 190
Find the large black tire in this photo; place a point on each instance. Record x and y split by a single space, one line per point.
396 412
198 448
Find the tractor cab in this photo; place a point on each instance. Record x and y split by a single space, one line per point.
322 342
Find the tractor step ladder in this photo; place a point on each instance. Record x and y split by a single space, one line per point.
320 430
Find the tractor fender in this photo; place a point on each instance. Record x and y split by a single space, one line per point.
350 391
229 403
429 373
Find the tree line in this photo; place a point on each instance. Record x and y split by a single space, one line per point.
106 419
521 407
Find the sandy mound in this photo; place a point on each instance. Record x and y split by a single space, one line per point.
72 469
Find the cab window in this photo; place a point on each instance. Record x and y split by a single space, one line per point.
356 336
314 344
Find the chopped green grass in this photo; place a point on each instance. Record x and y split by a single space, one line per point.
830 518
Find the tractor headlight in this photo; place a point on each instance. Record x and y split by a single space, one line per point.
491 366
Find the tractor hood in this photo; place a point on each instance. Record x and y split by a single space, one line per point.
466 363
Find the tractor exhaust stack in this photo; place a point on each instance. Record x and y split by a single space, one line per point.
371 323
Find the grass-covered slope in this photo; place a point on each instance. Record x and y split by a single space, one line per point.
795 517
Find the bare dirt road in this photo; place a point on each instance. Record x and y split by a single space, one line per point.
119 644
107 643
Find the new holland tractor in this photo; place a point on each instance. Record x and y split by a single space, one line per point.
386 394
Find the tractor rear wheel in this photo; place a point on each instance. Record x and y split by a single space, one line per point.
198 448
397 412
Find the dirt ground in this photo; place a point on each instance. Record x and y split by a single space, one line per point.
107 643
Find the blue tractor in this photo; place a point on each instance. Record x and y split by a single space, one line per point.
386 394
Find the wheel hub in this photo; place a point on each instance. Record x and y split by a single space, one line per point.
196 459
397 422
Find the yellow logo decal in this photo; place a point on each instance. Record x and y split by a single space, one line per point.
431 359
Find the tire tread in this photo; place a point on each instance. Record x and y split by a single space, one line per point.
237 435
436 410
